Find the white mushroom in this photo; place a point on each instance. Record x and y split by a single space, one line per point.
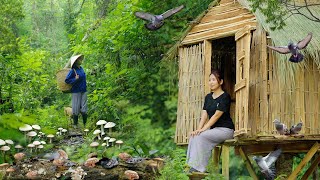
101 123
86 131
119 142
31 146
60 129
9 141
18 147
36 144
36 127
107 140
2 142
97 132
43 142
4 149
25 128
94 144
109 126
64 131
31 134
50 136
112 140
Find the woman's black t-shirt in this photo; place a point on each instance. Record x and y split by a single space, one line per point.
221 103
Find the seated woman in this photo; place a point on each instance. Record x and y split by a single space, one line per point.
218 129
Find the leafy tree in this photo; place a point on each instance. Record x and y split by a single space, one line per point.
277 11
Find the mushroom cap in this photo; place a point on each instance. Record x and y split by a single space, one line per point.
2 142
18 146
31 145
91 162
25 127
106 138
5 148
119 142
86 130
50 135
112 139
31 133
94 144
103 144
36 143
97 131
19 156
40 146
131 174
9 141
10 169
36 127
43 142
64 130
60 128
109 125
101 122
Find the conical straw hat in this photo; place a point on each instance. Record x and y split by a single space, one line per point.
73 59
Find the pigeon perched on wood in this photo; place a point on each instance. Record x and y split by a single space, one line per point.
280 127
156 21
295 129
294 49
266 164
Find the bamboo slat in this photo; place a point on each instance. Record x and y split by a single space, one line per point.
214 24
264 87
222 31
207 62
226 15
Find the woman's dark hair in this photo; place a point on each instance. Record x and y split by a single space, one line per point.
217 74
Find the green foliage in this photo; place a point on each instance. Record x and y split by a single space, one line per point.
273 10
175 167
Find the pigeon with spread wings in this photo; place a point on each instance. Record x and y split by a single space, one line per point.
266 164
294 49
156 21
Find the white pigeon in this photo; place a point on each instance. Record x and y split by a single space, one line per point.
266 164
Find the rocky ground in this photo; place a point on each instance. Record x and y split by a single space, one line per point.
60 167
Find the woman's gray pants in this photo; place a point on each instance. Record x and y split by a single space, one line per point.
200 147
79 103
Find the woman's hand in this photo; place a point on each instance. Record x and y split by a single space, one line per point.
196 132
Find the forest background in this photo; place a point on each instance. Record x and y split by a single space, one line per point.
131 79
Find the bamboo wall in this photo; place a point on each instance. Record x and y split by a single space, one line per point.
191 90
275 95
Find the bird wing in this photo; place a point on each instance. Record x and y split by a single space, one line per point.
170 12
144 16
280 49
303 43
272 157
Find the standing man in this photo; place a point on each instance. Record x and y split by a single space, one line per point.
77 78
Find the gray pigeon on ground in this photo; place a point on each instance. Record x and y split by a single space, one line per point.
280 127
294 49
295 129
156 21
266 164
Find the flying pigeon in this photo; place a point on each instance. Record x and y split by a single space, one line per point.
266 164
294 49
156 21
295 129
280 127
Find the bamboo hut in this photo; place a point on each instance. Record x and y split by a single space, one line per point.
263 85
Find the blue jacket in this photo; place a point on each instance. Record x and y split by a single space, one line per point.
79 85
